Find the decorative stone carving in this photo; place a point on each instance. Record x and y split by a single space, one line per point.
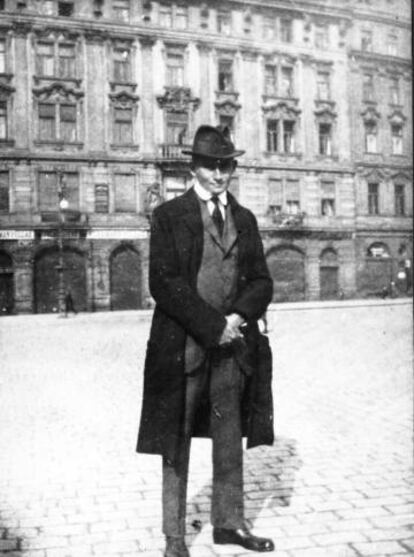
57 91
5 91
178 99
153 198
21 28
123 99
370 114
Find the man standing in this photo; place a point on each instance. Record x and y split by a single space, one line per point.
208 369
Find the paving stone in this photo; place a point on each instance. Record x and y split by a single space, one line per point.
379 548
339 470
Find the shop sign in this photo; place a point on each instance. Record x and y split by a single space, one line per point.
119 234
17 235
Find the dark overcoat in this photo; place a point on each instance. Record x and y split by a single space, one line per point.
176 249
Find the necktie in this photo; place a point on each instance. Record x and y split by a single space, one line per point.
217 216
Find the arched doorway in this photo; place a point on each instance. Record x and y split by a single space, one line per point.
125 270
328 275
47 279
6 284
376 275
287 268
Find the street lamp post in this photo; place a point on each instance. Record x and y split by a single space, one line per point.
63 205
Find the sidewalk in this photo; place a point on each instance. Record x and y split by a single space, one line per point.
338 481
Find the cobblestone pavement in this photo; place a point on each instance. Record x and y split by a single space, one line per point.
337 483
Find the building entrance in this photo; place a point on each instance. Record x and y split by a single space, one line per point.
47 279
287 268
125 269
328 275
6 284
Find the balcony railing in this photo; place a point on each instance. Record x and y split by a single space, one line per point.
172 151
287 220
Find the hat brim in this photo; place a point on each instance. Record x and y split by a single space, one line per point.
230 156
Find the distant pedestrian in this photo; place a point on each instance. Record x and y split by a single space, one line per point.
69 304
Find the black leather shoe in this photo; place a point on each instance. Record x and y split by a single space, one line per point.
175 547
243 537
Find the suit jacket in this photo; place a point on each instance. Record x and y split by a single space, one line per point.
175 255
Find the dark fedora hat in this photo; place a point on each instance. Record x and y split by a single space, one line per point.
213 142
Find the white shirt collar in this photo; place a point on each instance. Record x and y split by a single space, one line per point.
205 195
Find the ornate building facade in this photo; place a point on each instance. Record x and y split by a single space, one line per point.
99 97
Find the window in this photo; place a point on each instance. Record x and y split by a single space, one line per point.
58 122
66 60
4 192
45 59
165 15
204 16
101 198
272 136
2 56
321 36
287 82
2 5
270 80
48 7
3 120
288 136
370 137
174 186
47 122
65 9
328 199
323 86
373 199
276 196
395 91
177 127
397 139
56 59
368 87
68 122
224 22
175 69
286 30
325 139
292 197
123 126
399 199
120 10
71 188
125 201
225 75
366 40
228 121
392 45
269 27
181 17
122 64
48 191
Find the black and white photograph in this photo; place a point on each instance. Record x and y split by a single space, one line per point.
206 284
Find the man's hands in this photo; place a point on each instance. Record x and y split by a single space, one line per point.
232 329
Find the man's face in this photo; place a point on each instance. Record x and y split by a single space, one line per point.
214 174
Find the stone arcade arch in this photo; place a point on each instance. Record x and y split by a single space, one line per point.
125 279
46 279
287 268
377 273
328 274
6 284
